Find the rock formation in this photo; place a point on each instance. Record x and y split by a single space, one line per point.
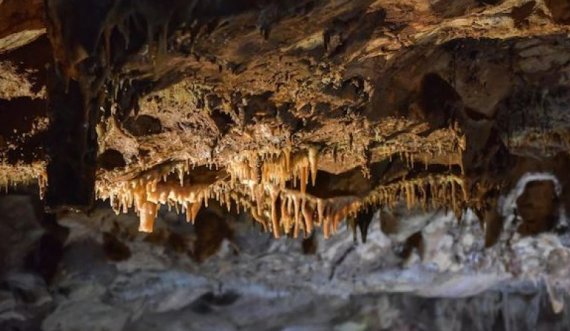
309 116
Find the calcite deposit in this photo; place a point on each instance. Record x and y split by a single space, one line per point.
251 103
310 117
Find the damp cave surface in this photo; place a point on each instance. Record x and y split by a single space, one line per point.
284 165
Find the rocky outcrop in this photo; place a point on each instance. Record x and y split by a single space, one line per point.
310 116
108 276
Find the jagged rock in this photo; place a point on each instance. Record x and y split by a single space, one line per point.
430 137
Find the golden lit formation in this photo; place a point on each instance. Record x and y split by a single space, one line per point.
273 188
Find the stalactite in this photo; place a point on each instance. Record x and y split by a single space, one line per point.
26 175
258 190
147 213
263 185
145 194
437 191
274 217
303 208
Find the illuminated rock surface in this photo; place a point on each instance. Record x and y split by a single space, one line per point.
275 128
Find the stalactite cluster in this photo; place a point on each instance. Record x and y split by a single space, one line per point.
246 102
269 182
273 189
28 174
429 192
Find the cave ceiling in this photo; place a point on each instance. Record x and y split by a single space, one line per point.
300 113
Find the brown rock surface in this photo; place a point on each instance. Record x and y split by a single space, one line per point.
301 113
